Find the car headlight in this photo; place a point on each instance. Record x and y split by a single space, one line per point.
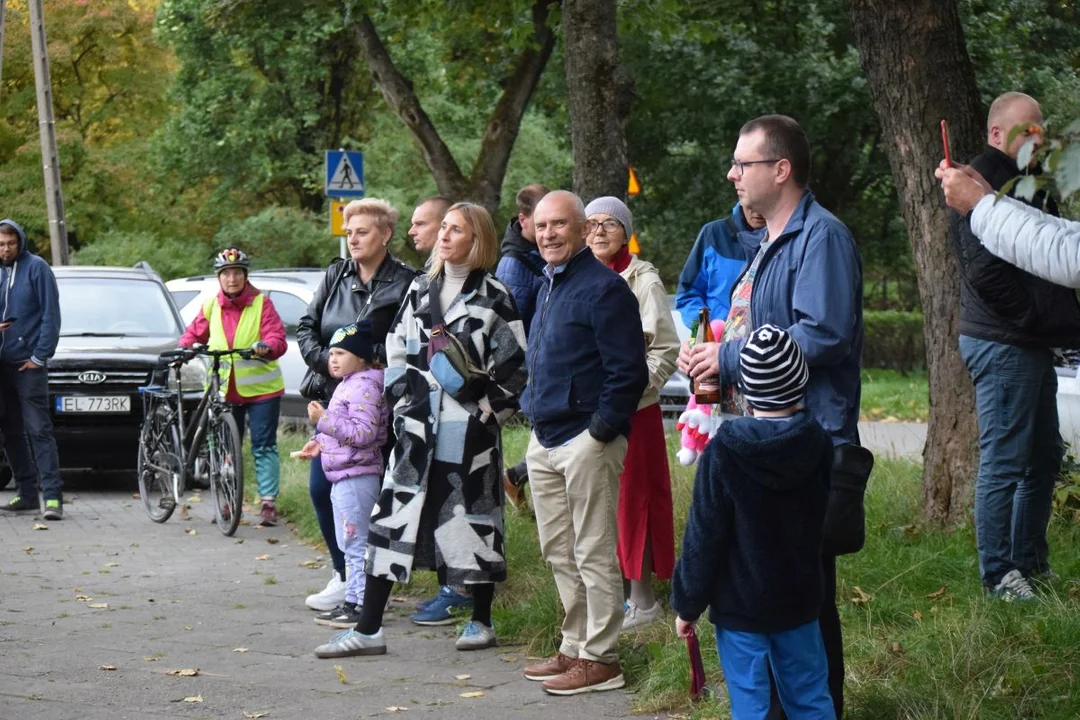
193 376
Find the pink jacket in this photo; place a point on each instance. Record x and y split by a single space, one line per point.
352 431
271 332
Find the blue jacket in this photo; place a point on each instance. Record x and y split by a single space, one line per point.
586 354
810 282
709 275
521 270
31 297
752 547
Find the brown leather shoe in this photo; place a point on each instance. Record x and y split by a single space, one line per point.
553 667
586 676
515 494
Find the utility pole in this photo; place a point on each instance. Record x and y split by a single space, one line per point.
3 12
54 199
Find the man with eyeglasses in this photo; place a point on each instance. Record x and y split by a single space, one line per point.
1010 322
804 275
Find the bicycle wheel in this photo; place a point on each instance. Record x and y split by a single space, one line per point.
226 471
158 463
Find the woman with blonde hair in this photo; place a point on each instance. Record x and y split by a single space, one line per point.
370 283
455 367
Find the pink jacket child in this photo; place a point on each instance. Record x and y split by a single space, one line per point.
352 431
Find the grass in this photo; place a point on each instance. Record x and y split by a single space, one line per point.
921 640
890 396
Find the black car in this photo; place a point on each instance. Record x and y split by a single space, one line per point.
113 324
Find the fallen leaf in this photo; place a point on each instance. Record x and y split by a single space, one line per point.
462 677
508 658
400 599
396 708
272 540
190 531
99 606
861 596
83 598
917 615
106 667
263 557
184 515
240 649
112 564
39 526
28 549
136 496
937 595
186 672
478 693
895 647
257 714
313 564
341 675
149 659
187 627
193 699
195 498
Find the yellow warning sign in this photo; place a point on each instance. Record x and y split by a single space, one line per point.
337 218
633 188
633 246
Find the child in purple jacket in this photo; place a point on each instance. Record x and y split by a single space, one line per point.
351 432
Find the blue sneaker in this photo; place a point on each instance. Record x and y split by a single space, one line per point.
440 610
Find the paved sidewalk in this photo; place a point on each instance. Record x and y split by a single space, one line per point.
108 588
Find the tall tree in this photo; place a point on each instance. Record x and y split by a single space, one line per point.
915 60
484 182
599 91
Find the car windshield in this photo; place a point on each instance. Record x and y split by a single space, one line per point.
113 307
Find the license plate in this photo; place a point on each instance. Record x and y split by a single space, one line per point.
93 404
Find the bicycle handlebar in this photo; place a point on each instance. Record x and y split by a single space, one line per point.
180 356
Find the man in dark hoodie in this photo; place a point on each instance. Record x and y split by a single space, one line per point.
30 309
520 269
753 541
1009 323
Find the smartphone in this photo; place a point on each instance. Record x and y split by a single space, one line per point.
945 143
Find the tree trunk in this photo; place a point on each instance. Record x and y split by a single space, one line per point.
915 60
599 92
484 184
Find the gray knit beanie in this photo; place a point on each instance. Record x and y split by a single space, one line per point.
614 207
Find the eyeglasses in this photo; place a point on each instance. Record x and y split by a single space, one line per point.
740 165
609 226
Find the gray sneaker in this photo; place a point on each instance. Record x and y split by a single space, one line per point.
1014 586
351 643
476 636
54 509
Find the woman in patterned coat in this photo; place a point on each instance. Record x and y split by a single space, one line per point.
441 504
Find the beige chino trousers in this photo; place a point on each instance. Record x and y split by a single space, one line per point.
575 491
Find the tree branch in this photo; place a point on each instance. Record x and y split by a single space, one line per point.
399 95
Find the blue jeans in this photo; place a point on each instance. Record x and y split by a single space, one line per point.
319 487
353 499
1020 453
799 667
28 432
263 418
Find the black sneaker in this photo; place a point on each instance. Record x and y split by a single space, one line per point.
347 619
17 504
54 509
325 618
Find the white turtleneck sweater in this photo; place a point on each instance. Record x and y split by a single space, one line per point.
453 279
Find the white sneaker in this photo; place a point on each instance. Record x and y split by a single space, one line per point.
330 597
636 617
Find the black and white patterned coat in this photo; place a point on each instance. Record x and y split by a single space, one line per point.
441 503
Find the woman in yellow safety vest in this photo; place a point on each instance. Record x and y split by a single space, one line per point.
240 316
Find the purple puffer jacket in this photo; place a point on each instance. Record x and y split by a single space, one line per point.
352 431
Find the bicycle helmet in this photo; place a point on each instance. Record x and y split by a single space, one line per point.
230 258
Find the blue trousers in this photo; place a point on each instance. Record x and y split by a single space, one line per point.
1020 452
353 499
262 416
799 667
28 432
319 488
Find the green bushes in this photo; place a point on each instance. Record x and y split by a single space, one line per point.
894 340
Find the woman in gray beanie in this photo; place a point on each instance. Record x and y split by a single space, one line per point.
646 526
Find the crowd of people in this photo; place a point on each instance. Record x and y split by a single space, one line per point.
412 375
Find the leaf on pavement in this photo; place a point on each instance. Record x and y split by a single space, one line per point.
195 498
256 714
149 658
396 708
272 540
99 606
28 549
193 699
186 672
341 675
313 564
263 557
240 650
190 531
861 596
39 526
83 598
462 677
106 667
508 658
136 496
938 594
112 564
477 694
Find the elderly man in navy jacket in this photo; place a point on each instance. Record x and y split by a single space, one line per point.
587 371
803 274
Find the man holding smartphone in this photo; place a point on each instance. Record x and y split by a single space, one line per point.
30 308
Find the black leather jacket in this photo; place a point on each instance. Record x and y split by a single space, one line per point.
342 299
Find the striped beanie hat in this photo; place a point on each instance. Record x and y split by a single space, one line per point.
773 372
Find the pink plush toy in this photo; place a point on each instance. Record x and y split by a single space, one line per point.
697 423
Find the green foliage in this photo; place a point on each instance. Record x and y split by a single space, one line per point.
170 257
279 237
893 339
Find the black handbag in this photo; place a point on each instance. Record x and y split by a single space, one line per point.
845 516
313 386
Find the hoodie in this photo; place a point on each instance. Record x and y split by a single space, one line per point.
520 269
352 431
752 547
31 297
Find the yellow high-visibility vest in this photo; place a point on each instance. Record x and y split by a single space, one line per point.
253 377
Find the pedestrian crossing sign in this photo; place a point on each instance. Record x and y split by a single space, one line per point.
344 173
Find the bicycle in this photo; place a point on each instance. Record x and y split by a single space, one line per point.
170 453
